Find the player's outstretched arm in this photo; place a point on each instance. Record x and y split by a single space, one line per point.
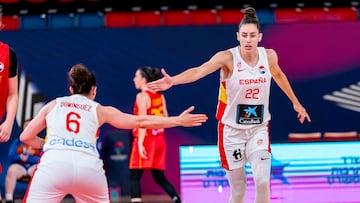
161 84
118 119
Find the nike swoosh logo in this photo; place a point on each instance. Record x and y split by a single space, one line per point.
262 158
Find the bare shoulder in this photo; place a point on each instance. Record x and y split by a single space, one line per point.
49 106
105 112
142 96
224 55
271 52
105 109
223 59
272 56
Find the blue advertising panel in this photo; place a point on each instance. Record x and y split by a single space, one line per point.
315 172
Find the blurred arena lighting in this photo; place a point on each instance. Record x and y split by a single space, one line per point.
17 7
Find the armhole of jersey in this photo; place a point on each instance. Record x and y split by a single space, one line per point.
264 53
234 57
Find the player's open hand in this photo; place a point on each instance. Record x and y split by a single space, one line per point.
5 131
187 119
142 151
302 114
161 84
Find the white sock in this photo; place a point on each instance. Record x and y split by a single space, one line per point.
9 196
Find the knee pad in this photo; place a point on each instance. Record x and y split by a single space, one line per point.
260 162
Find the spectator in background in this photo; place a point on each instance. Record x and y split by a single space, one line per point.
23 160
149 147
8 90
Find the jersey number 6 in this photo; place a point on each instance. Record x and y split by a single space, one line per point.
72 122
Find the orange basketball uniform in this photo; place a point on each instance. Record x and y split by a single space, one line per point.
154 142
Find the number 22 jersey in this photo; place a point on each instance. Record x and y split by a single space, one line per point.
244 96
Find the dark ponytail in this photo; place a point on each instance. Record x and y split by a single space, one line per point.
250 18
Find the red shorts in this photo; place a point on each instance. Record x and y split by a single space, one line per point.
155 147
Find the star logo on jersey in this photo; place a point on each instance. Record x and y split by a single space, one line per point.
2 66
249 114
250 111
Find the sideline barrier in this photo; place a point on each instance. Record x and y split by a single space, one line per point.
11 22
175 18
316 14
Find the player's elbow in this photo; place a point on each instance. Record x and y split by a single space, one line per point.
24 138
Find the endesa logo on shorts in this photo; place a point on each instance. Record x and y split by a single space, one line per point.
71 143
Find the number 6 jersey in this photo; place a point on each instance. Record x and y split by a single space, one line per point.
72 125
244 96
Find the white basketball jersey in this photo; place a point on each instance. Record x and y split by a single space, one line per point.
73 125
244 96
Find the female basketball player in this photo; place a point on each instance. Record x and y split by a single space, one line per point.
70 163
245 76
149 147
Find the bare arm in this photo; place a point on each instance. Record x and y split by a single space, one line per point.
36 125
282 81
11 108
166 113
143 103
221 60
118 119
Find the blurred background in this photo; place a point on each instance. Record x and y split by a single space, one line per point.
316 41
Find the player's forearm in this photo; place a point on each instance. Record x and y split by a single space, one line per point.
285 86
35 142
188 76
141 135
155 122
11 107
12 99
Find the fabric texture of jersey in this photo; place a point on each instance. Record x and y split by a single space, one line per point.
73 125
154 141
244 96
242 110
70 162
4 76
